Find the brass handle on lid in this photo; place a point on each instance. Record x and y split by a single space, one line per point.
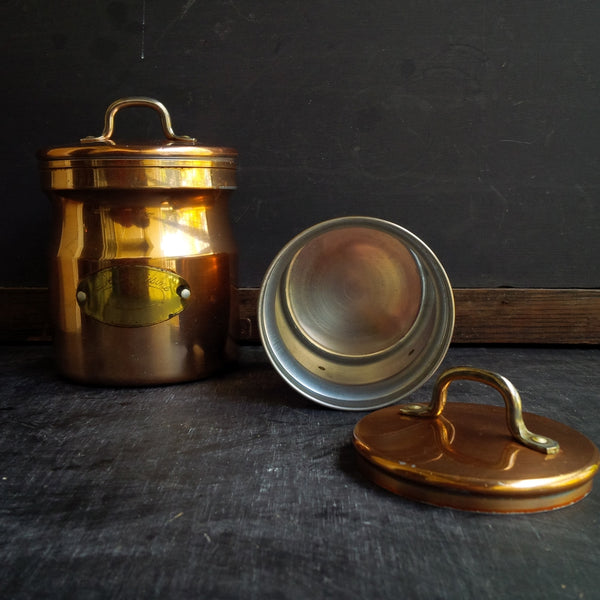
111 111
512 399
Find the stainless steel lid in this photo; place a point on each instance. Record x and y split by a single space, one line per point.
355 313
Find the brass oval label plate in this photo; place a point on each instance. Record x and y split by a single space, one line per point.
132 295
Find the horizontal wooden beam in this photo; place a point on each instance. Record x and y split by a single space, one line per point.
527 316
24 315
483 316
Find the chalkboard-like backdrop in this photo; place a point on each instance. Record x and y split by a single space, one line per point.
473 124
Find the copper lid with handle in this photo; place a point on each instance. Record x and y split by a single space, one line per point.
473 456
101 162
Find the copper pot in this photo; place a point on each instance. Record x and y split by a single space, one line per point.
143 261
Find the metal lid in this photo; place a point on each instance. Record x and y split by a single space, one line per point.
476 457
101 162
355 313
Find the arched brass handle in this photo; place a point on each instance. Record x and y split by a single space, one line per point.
512 399
117 105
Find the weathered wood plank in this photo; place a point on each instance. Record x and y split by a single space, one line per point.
527 316
483 316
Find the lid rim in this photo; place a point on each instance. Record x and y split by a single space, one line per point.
135 151
471 502
465 484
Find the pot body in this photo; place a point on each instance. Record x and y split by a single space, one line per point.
121 267
143 269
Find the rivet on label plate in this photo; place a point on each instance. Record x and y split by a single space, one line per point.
184 292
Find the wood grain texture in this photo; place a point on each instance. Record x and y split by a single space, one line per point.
483 316
527 316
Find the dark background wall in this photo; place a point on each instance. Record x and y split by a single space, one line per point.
473 124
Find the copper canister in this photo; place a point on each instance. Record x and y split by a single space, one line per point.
143 259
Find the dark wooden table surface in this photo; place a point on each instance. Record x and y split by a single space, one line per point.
237 487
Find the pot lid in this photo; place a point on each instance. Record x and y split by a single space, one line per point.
476 457
102 162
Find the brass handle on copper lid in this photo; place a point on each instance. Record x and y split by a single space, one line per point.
512 400
111 111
